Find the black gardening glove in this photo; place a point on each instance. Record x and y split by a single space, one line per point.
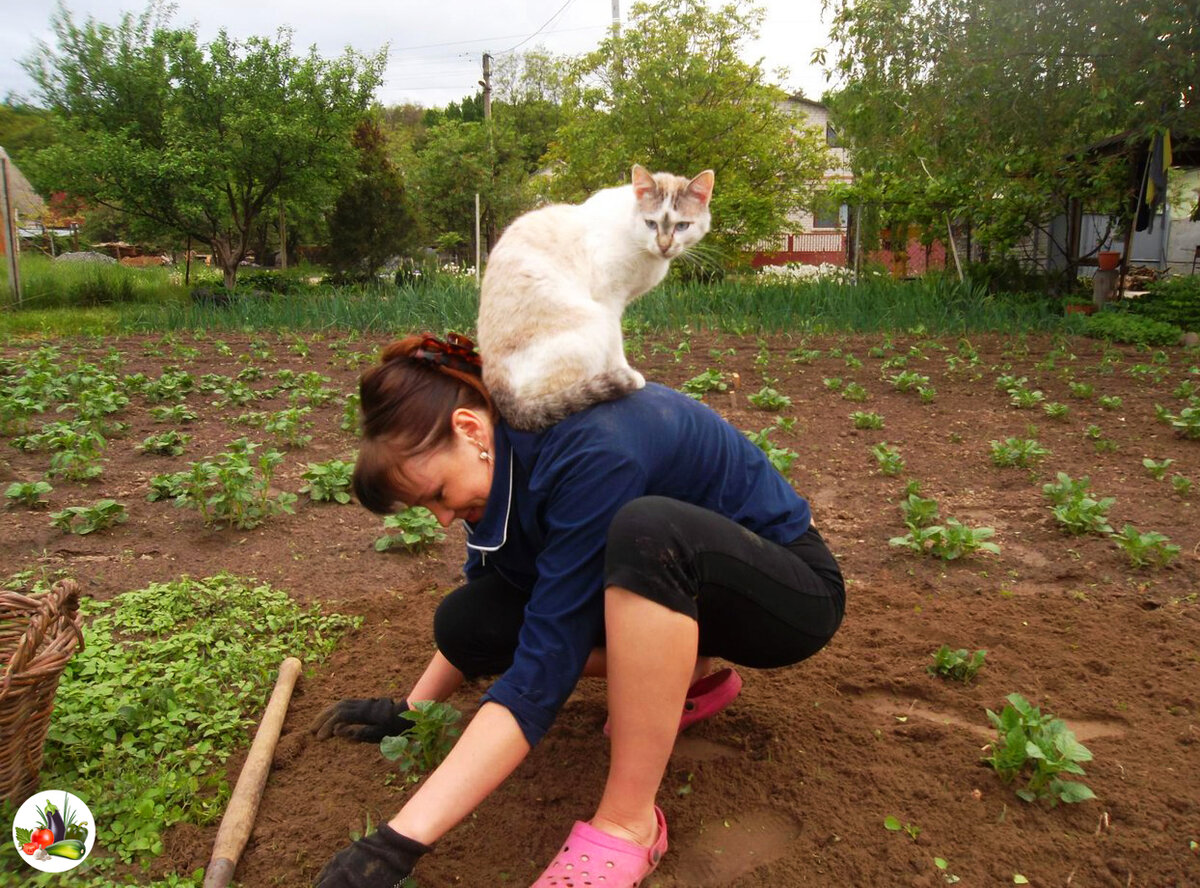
358 719
383 859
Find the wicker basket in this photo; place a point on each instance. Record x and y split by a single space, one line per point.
38 635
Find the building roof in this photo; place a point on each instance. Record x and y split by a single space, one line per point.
26 202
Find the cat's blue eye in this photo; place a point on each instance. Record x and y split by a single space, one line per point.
682 226
651 224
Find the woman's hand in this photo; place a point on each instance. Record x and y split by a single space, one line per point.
383 859
369 720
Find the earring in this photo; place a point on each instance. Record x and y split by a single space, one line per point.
484 455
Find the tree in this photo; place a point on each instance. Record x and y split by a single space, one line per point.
670 91
199 139
458 161
372 219
981 111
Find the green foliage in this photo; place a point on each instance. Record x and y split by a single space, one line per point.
1173 300
1020 452
1186 422
866 420
47 284
372 219
626 102
1150 549
1075 511
767 398
177 414
82 520
1123 326
780 457
169 683
855 392
417 530
708 381
960 665
234 488
949 541
233 126
888 458
1056 410
1027 740
919 511
1156 469
423 746
328 481
31 494
169 443
934 102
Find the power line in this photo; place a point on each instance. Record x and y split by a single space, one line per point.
561 10
498 38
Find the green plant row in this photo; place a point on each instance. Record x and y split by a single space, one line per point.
171 678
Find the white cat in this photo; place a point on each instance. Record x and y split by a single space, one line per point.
558 282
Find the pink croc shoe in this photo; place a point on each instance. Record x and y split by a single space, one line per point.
705 698
590 857
709 696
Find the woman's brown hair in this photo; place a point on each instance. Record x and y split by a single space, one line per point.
407 401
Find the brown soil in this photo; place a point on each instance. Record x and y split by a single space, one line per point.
791 785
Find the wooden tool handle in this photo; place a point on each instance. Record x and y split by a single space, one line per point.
238 821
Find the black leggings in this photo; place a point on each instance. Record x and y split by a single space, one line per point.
758 603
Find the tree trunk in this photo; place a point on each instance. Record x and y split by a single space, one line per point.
228 257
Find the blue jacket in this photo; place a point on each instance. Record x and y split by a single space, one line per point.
553 496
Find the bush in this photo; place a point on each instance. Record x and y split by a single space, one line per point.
1172 300
1117 325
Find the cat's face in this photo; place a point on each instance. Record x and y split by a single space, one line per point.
672 211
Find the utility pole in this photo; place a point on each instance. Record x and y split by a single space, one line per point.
486 83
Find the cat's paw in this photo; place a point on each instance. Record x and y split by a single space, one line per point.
636 380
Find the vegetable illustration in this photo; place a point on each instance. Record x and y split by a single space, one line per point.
55 820
43 838
69 848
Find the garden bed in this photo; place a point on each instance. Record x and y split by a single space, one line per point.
792 785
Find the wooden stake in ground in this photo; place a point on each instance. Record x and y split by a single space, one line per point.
235 827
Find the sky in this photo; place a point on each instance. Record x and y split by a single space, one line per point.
435 48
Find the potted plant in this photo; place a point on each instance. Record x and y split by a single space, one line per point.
1108 260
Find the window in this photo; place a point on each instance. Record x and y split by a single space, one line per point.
831 136
827 217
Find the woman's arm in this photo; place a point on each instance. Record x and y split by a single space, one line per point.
488 751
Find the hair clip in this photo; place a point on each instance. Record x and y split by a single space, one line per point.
457 353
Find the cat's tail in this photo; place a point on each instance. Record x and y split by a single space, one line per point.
537 413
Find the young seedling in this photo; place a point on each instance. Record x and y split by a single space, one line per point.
1150 549
1024 399
856 393
769 399
708 381
888 458
350 414
168 443
1020 452
417 530
960 665
780 457
31 494
909 381
422 747
949 541
328 481
1110 402
1027 740
866 420
893 824
918 511
82 520
1156 470
178 415
1081 390
1181 484
1056 410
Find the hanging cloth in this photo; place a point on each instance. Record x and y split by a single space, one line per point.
1154 180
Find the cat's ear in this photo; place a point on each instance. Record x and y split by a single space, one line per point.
643 182
701 187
